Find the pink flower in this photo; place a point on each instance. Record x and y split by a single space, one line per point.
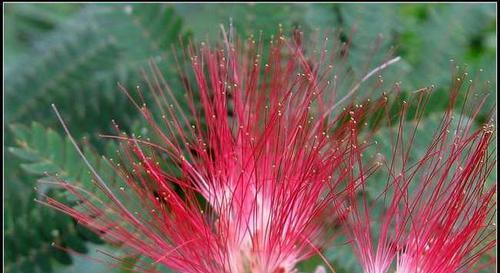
249 170
261 162
438 210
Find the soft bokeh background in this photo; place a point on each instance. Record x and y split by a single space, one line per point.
73 55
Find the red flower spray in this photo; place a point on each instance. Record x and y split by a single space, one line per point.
438 210
263 157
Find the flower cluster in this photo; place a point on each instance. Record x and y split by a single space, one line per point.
254 166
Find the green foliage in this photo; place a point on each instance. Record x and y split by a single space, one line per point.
74 54
79 63
60 72
72 61
248 18
31 228
27 23
46 153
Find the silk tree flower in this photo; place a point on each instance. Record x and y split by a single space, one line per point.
438 210
260 161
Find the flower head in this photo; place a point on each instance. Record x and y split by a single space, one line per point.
246 166
438 208
247 170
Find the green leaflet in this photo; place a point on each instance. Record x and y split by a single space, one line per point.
78 64
30 232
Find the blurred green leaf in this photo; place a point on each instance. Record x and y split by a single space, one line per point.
48 154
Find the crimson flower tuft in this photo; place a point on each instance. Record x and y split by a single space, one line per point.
252 168
259 161
438 208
